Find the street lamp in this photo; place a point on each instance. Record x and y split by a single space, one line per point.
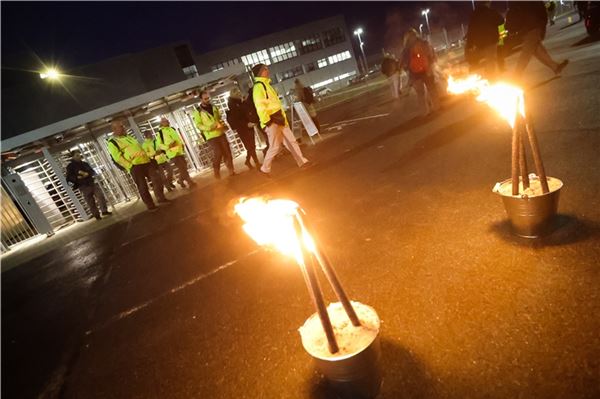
358 32
421 30
50 74
426 14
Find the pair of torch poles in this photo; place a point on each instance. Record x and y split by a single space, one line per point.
312 282
519 159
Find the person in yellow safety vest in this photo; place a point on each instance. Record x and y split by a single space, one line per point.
169 141
273 119
128 153
501 51
208 120
160 160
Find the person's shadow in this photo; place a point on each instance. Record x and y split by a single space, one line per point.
565 230
404 376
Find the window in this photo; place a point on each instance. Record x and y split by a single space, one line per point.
333 36
310 67
283 52
190 71
290 73
255 58
322 63
338 57
222 65
310 44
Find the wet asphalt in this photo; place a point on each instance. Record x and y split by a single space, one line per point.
181 304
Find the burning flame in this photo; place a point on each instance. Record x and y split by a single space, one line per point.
504 98
271 223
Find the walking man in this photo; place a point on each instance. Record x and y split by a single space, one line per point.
529 20
159 160
238 119
127 152
208 120
273 119
169 141
81 175
483 37
418 58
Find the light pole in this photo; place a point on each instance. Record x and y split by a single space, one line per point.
426 13
421 30
358 32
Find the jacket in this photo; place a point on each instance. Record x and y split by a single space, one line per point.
208 124
151 148
127 152
76 174
266 101
170 142
238 116
483 27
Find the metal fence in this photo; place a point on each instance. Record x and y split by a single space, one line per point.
14 227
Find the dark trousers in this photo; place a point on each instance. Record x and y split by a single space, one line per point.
182 169
140 174
166 172
93 194
247 137
221 150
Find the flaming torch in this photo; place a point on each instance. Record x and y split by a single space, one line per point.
342 338
531 201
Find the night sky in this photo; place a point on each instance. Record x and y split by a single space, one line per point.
72 34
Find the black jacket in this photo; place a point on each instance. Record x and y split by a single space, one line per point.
73 176
237 116
524 16
483 27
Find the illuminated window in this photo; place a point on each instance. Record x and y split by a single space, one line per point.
290 73
333 36
222 65
283 52
338 57
310 44
258 57
322 63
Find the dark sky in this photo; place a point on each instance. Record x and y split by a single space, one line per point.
71 34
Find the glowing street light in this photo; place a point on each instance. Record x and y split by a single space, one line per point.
50 74
426 14
358 32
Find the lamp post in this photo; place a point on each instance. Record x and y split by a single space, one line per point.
358 32
426 14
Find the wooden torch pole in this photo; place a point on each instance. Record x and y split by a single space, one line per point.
331 275
515 159
535 152
314 289
522 158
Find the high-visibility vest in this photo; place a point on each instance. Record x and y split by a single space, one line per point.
170 142
127 151
266 100
149 145
502 33
207 123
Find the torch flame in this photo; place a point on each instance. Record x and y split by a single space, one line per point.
504 98
271 224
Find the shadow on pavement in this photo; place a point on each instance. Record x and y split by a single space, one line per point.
567 229
404 376
587 40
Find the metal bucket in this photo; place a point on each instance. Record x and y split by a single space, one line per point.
531 217
356 375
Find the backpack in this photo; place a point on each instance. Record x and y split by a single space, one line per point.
118 165
251 107
419 57
309 96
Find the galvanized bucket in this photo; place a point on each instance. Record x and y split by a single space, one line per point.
356 375
531 217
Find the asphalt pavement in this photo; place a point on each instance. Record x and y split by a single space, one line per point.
182 304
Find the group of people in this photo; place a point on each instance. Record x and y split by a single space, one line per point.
151 161
485 50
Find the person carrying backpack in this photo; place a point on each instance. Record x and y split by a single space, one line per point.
418 58
306 96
